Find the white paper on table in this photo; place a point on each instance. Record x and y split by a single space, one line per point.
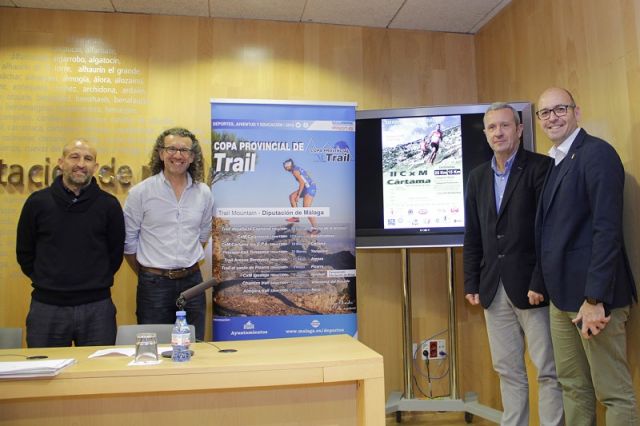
145 362
22 369
123 351
113 351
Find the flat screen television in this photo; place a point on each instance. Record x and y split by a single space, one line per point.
412 166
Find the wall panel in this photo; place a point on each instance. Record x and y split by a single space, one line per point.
592 48
171 67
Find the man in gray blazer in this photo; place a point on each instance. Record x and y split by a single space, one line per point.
584 266
499 258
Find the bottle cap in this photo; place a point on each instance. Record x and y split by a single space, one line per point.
181 314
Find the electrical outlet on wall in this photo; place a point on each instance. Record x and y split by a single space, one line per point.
434 349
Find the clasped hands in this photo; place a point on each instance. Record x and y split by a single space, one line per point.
591 319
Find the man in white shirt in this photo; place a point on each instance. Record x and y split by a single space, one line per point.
168 223
583 262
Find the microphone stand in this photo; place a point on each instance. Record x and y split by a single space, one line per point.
181 302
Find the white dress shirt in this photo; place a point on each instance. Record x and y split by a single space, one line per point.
560 151
165 232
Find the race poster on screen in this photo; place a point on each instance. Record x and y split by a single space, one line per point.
283 181
422 172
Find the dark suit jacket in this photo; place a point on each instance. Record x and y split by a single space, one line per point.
501 245
579 234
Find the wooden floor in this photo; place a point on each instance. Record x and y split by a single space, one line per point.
434 419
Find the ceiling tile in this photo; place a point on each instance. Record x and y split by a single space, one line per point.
276 10
463 16
91 5
458 16
163 7
490 15
370 13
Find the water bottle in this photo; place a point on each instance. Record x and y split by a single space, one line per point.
181 338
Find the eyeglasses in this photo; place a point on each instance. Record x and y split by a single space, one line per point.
558 110
172 150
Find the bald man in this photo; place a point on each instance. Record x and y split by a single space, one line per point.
70 243
584 265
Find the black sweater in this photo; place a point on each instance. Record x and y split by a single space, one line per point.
70 246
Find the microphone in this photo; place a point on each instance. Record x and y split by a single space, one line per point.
182 301
30 357
193 291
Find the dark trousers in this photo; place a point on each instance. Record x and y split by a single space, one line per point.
156 300
90 324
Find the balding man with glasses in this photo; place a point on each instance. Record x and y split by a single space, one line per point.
168 222
584 266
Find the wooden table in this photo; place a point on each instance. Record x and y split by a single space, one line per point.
323 380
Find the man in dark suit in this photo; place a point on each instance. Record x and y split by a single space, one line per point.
584 266
499 257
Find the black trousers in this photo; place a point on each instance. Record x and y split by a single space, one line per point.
90 324
156 300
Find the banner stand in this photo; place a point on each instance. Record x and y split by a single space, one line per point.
283 183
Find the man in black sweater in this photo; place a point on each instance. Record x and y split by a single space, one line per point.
70 243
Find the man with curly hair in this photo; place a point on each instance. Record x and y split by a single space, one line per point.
168 223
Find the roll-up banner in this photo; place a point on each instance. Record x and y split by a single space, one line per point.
284 233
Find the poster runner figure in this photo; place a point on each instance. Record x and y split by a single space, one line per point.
306 190
434 143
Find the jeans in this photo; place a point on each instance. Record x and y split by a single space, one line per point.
156 300
89 324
